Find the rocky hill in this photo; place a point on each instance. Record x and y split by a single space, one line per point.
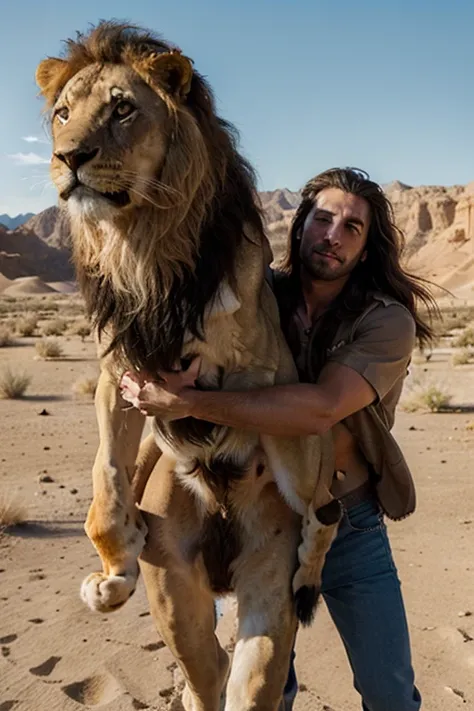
51 226
438 223
23 253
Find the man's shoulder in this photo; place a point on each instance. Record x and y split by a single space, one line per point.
385 310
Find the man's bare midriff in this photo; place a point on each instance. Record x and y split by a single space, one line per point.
349 460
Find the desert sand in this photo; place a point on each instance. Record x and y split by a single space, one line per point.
56 655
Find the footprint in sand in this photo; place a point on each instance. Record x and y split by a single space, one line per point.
153 646
46 667
94 691
8 640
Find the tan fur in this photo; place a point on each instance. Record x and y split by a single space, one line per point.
172 178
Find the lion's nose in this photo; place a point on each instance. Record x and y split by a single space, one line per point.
74 159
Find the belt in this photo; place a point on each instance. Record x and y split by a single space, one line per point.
364 492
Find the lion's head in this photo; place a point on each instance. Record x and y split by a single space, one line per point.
157 194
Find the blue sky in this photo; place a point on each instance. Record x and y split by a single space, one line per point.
382 85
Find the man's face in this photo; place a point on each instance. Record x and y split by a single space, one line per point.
334 235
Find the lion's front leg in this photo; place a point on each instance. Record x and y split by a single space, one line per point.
114 524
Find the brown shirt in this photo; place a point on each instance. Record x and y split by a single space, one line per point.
377 344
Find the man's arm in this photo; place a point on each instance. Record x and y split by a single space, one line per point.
281 410
288 410
356 375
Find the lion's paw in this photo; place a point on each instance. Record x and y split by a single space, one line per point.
106 593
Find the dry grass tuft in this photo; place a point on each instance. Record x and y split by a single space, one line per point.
27 325
48 348
465 340
55 328
6 337
81 329
13 385
12 512
462 357
433 399
85 386
426 393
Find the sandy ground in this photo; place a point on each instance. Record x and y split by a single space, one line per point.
58 656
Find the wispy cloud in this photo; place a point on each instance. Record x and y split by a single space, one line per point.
33 139
28 159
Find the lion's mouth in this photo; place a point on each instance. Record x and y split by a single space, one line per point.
120 198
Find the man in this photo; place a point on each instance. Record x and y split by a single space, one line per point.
349 312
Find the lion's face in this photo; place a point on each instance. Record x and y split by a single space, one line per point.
110 137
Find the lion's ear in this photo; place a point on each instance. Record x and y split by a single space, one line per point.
51 77
171 70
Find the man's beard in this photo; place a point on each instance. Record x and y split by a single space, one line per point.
319 267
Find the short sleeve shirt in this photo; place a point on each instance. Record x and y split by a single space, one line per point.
377 344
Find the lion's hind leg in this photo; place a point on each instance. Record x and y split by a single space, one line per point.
266 612
177 586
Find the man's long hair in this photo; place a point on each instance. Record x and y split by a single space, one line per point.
381 271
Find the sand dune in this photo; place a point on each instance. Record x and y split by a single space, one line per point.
28 286
4 282
63 287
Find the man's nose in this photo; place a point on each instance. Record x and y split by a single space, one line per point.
76 157
333 235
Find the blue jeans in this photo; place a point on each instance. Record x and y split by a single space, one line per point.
362 592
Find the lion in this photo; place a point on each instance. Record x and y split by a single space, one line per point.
171 257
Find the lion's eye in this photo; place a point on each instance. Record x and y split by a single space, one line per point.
123 110
62 114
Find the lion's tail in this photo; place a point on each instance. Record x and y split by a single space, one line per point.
319 531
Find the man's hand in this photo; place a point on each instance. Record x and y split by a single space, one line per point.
166 398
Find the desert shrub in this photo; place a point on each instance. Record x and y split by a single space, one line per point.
13 385
462 357
433 398
81 329
85 386
6 337
12 512
26 326
55 328
465 339
48 348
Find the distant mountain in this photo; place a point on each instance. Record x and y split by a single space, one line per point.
12 223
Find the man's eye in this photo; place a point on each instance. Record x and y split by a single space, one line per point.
123 110
62 114
321 219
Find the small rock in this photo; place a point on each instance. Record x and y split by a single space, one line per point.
46 448
412 428
44 412
456 692
45 479
73 491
